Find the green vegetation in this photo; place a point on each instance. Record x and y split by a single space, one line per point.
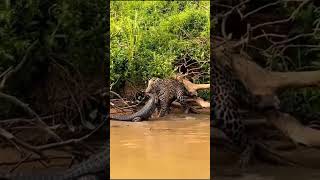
305 56
148 38
71 30
299 52
46 34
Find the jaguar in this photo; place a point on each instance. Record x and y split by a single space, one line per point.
228 96
168 90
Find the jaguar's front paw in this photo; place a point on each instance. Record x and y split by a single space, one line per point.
245 157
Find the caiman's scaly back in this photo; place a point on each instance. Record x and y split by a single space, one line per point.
143 114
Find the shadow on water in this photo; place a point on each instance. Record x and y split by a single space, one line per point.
176 146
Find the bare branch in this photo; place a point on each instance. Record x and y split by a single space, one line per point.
18 67
293 129
41 124
260 8
290 18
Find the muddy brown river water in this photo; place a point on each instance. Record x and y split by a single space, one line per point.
178 147
174 147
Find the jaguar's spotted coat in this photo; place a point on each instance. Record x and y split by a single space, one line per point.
228 95
168 90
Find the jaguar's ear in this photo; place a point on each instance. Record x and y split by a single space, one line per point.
156 98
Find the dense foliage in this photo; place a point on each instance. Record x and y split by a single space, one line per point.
289 45
69 34
147 38
70 30
302 54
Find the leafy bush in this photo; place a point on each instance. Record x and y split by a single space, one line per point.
148 37
69 33
72 30
305 102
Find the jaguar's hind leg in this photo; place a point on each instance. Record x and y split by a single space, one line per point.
163 111
246 156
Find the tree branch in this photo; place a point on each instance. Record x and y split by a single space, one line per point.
262 82
41 124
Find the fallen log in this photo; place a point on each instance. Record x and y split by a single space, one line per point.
202 103
260 81
266 83
293 129
219 138
193 88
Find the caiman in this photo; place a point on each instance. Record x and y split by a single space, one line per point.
94 168
143 114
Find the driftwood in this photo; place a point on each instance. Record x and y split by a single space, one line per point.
192 89
262 82
219 138
202 103
292 128
265 83
287 124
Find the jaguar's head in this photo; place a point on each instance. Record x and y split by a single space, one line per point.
152 83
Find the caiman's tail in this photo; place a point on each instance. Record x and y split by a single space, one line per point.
143 113
121 117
